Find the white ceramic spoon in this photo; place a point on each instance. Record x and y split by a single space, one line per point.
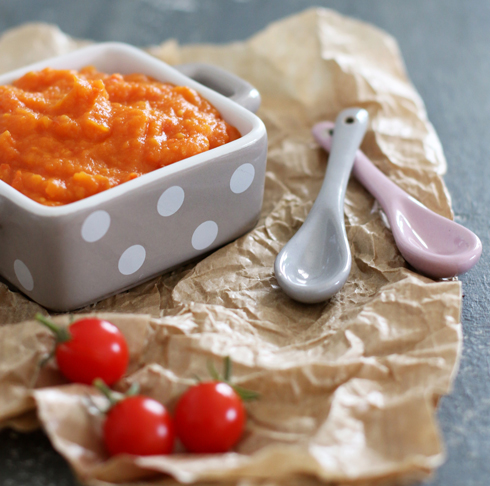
315 263
432 244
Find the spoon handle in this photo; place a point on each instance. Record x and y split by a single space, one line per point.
377 183
350 128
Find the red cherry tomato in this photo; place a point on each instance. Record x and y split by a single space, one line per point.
96 349
139 425
210 417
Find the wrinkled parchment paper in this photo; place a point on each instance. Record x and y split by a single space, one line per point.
348 388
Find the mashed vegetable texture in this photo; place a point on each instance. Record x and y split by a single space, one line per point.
66 135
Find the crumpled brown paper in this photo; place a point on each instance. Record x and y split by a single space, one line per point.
348 388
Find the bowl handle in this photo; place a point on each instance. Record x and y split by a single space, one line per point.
224 82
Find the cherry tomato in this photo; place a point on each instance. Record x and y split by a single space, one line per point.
139 425
95 349
210 417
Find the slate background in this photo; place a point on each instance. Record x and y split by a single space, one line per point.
446 47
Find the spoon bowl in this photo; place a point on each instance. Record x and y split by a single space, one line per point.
309 271
315 263
435 246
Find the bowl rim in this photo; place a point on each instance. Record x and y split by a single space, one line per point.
171 74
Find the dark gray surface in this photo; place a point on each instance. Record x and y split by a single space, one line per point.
446 46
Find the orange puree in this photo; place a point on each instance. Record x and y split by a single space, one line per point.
65 135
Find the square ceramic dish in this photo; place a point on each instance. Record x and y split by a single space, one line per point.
68 256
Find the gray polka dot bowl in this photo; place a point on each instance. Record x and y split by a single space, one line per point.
68 256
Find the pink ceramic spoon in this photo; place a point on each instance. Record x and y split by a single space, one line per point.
432 244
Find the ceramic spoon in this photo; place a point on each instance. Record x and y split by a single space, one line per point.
432 244
316 262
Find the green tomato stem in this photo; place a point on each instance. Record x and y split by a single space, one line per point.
111 395
212 371
62 334
134 389
227 369
245 394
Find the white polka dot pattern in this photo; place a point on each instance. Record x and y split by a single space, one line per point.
23 275
170 201
132 259
242 178
96 226
204 235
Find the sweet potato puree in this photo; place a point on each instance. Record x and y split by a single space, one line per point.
65 135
